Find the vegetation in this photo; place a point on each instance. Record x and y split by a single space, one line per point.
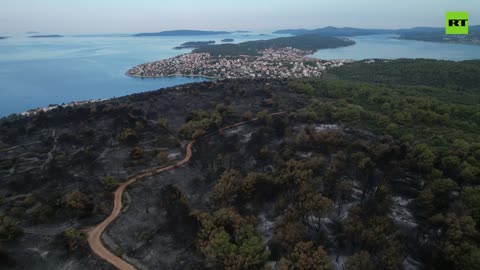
74 239
199 123
303 42
229 241
8 228
375 171
109 182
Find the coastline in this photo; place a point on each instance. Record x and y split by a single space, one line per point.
173 75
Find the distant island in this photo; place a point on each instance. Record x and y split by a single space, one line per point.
46 36
228 40
308 43
3 38
431 34
438 35
334 31
194 44
174 33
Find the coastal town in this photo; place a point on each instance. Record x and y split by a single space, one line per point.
271 63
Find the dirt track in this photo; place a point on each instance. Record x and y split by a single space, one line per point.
95 234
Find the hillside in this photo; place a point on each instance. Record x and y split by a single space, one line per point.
359 171
310 43
432 34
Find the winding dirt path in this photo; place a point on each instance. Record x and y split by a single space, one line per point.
95 234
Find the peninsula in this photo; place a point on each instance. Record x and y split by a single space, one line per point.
176 33
307 43
438 35
272 63
275 58
194 44
46 36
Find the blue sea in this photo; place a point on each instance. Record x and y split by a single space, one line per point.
38 72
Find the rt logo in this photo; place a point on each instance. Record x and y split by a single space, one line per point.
457 23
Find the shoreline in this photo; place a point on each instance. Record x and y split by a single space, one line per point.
173 75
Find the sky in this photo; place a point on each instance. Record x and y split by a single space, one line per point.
133 16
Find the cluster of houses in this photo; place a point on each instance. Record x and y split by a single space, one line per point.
272 63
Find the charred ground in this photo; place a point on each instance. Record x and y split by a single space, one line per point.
362 175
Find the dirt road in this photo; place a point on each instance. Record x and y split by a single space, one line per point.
95 234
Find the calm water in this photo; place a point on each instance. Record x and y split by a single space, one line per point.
38 72
387 46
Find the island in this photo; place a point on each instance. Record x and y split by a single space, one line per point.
307 43
46 36
3 38
431 34
194 44
276 58
334 31
228 40
438 35
175 33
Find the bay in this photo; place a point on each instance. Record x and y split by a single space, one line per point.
39 72
390 47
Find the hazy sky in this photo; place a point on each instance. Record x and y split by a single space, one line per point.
127 16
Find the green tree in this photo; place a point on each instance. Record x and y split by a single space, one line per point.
471 260
459 240
471 199
359 261
422 157
306 257
108 182
442 191
229 241
227 191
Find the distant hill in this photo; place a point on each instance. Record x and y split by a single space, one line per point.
349 31
334 31
194 44
3 37
438 35
46 36
302 42
182 33
432 34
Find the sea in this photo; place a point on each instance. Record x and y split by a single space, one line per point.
43 71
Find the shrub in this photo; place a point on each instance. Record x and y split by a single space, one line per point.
74 239
129 136
8 229
78 202
108 182
136 153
